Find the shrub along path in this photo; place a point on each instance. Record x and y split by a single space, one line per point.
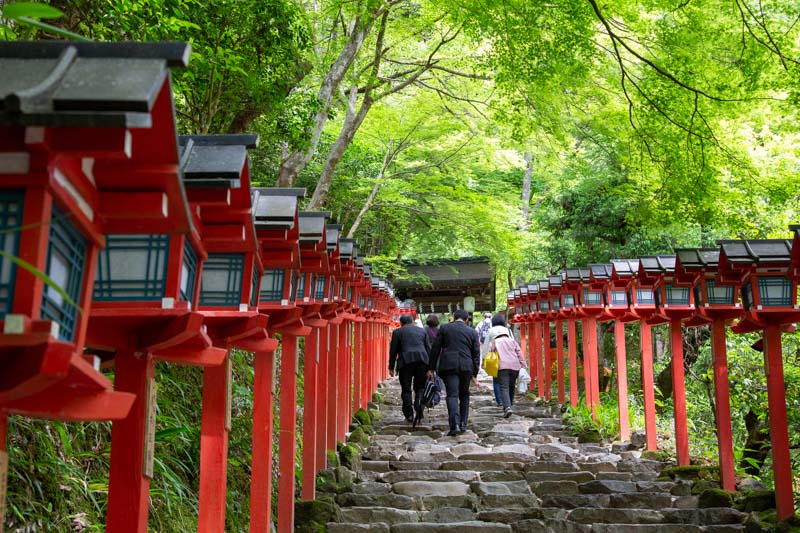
521 474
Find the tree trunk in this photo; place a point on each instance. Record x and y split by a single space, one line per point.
757 445
352 121
526 187
387 159
297 160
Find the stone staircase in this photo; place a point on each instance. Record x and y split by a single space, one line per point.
521 474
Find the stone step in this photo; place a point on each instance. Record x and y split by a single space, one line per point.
596 515
458 527
342 527
395 501
465 476
646 528
387 515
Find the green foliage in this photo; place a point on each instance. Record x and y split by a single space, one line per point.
580 421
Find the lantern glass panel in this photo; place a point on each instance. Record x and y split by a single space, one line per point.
775 291
569 301
534 307
719 294
350 295
301 285
254 288
544 306
272 285
132 267
676 295
11 203
292 283
188 272
319 290
221 282
645 297
619 298
592 297
556 304
66 255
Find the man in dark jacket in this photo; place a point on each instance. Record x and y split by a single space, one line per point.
409 352
456 356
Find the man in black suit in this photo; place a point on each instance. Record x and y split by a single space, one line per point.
408 350
456 356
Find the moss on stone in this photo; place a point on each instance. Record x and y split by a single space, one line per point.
591 435
312 516
756 500
350 457
326 481
362 417
716 498
369 430
691 472
377 397
359 437
657 455
332 459
699 486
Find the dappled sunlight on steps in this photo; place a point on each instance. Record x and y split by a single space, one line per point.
521 474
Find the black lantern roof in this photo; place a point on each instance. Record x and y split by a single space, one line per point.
624 268
533 288
523 290
332 232
312 226
360 263
600 272
555 281
214 161
84 84
657 264
698 258
544 285
275 207
346 247
510 295
757 251
367 271
576 275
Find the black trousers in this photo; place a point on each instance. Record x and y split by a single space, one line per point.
508 383
457 385
412 377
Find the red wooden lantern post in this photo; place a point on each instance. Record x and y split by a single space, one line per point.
769 283
277 230
568 311
641 307
217 181
545 313
555 313
674 303
310 296
535 339
590 307
615 308
718 304
62 131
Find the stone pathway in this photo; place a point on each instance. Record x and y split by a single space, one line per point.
521 474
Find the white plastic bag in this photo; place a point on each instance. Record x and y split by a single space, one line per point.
522 380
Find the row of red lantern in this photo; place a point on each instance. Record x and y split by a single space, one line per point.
754 283
124 244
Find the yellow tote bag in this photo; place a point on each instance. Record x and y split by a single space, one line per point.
491 363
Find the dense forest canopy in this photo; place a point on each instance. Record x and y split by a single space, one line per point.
541 134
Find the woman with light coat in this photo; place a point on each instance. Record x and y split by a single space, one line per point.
511 361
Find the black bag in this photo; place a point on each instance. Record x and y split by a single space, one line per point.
431 396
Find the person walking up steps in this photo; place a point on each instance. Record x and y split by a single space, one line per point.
409 350
511 360
455 355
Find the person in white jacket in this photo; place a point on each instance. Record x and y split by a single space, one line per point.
498 327
511 361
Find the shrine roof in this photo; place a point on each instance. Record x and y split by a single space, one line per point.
84 84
